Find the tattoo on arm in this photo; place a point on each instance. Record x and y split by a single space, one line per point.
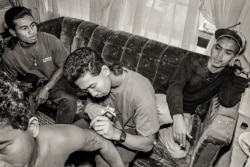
93 141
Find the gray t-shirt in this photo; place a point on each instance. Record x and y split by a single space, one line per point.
134 103
48 52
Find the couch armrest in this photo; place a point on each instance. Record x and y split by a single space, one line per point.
219 127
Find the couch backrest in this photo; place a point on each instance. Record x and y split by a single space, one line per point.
155 60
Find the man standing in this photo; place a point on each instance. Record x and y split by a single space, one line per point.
39 54
198 79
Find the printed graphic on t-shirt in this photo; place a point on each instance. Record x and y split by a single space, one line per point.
47 59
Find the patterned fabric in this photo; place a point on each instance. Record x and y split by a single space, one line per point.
45 119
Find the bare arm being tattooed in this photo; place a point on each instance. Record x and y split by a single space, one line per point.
93 142
74 139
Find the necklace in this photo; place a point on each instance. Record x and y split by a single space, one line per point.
211 76
34 58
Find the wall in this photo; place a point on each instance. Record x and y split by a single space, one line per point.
244 28
245 20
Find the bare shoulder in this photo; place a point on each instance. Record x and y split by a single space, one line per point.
60 131
70 137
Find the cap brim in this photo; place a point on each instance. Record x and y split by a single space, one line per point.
230 33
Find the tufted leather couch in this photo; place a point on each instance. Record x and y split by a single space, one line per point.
213 124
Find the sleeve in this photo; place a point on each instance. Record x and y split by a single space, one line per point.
146 118
59 52
8 67
231 91
177 84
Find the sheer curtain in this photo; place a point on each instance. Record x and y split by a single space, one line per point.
16 2
47 9
223 14
173 22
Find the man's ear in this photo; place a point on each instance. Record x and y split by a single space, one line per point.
105 70
12 32
33 126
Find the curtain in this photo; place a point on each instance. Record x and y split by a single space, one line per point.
16 2
173 22
223 14
47 9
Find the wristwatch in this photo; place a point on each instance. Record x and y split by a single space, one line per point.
123 136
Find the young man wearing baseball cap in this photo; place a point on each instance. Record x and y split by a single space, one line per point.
197 79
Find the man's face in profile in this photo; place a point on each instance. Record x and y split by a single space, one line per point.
16 146
98 86
26 29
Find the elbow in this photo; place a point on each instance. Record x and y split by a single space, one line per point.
148 146
229 102
229 98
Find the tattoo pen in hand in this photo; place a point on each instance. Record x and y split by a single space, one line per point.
109 112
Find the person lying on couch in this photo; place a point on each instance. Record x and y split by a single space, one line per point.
41 55
121 104
195 81
24 143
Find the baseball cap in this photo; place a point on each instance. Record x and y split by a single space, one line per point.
233 34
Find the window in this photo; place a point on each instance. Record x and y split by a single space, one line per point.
206 31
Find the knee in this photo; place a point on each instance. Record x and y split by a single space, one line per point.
180 152
68 98
65 99
166 137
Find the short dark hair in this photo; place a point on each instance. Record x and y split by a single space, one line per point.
14 107
84 60
10 16
15 13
